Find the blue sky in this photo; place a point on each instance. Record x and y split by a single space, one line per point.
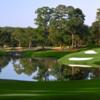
21 13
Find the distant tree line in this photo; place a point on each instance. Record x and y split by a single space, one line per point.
59 26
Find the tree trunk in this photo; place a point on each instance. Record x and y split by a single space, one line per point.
75 43
19 45
72 40
30 44
61 46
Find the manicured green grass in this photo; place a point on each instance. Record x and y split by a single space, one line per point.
70 90
95 62
45 53
71 97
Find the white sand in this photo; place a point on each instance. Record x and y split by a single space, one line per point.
75 65
79 59
90 52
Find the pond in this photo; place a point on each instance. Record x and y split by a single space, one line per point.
41 69
28 69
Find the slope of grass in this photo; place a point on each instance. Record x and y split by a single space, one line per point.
95 62
46 53
3 53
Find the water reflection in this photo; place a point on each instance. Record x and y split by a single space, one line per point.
28 69
0 68
42 69
3 62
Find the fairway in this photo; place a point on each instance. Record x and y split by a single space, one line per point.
49 50
14 90
52 94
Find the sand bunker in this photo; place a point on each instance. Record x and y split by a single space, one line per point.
90 52
79 59
75 65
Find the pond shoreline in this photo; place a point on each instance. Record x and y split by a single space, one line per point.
35 52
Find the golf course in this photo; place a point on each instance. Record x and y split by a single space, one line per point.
14 90
49 50
69 89
85 57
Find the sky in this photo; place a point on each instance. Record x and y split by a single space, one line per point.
21 13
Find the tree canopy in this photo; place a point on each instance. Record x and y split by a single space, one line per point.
59 26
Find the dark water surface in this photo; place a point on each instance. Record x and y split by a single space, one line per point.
29 69
41 69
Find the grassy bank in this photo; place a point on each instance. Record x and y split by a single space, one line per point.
26 52
37 53
3 53
49 90
45 53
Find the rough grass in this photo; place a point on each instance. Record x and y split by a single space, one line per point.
95 62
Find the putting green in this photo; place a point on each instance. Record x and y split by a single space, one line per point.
93 59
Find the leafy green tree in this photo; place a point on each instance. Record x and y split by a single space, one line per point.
75 20
4 38
42 20
30 34
82 37
98 15
39 37
17 35
95 29
43 17
57 27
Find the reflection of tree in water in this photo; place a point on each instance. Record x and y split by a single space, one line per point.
66 73
28 65
17 66
4 61
46 65
78 73
38 66
23 65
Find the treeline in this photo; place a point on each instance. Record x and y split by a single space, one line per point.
59 26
